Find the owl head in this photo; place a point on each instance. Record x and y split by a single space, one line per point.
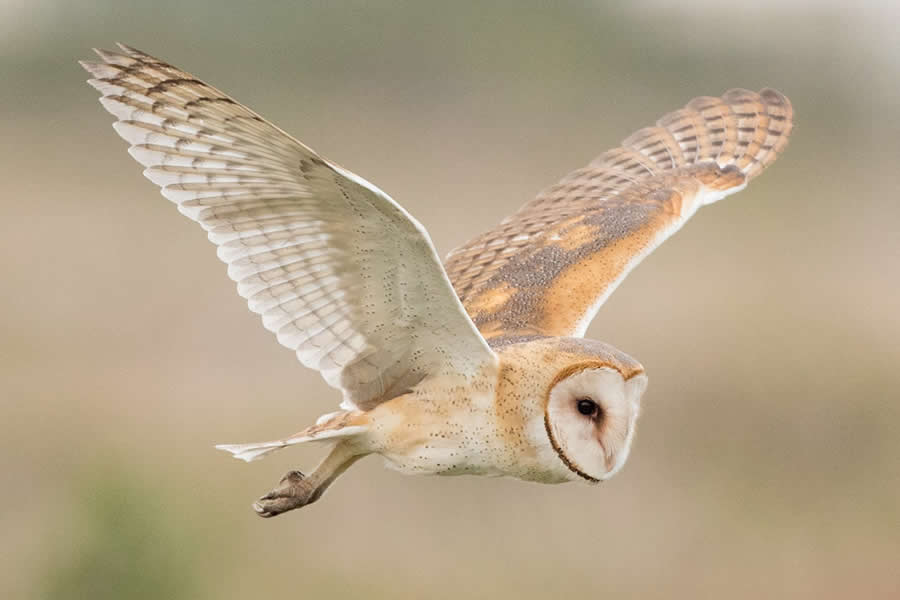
583 400
590 417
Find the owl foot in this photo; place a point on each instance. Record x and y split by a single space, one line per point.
294 491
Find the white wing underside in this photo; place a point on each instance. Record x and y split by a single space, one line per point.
338 271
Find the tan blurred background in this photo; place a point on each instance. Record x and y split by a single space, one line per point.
768 461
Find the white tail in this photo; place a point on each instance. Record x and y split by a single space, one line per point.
248 452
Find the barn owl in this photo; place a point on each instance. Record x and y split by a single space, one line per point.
476 365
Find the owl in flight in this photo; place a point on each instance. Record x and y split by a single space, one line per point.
476 365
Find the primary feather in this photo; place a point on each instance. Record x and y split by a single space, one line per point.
546 269
338 271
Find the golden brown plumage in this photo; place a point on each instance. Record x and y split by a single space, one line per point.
350 282
547 268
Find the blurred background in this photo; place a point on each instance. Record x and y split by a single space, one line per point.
768 459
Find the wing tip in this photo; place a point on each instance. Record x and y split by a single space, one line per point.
124 56
130 50
108 56
99 70
774 97
738 94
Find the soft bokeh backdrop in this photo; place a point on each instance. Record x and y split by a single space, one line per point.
768 459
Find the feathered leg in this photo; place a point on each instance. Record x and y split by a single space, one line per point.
296 489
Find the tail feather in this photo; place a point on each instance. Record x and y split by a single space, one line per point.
255 451
250 452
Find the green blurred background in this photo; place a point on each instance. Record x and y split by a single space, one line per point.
768 461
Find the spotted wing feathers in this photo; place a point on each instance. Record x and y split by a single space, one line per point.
338 271
546 269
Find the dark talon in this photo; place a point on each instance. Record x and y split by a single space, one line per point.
293 491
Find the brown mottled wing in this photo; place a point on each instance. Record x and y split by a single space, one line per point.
546 269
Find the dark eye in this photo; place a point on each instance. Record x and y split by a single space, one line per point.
587 407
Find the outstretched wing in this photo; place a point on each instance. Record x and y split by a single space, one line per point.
546 269
339 272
